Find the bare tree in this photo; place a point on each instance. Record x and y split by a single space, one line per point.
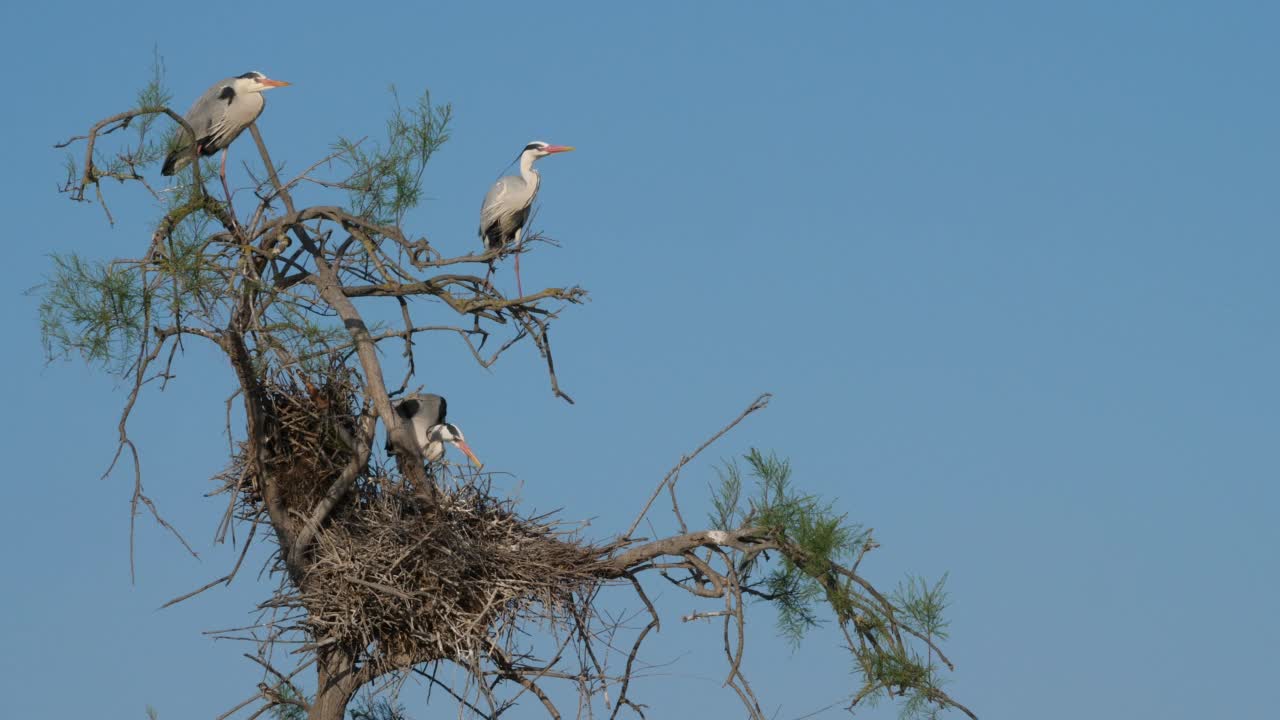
389 570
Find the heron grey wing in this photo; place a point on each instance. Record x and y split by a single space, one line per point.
489 209
210 108
421 429
430 407
206 118
507 195
238 113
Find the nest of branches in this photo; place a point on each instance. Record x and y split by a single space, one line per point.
399 574
309 434
401 578
396 575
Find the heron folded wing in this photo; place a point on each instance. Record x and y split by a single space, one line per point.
492 207
505 210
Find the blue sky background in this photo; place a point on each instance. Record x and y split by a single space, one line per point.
1009 268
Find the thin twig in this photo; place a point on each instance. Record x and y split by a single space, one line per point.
759 403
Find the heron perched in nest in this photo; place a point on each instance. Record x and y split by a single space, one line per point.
426 414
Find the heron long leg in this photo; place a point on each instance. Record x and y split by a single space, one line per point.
519 240
222 173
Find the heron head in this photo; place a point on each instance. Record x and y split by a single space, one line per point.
541 149
256 82
448 432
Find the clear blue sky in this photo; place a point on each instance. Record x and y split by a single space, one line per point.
1011 269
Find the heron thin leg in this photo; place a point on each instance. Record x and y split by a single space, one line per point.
223 175
519 240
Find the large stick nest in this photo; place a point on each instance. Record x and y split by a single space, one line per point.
395 578
404 580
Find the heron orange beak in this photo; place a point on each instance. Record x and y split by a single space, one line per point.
273 83
466 450
550 149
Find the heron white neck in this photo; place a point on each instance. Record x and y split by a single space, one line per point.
526 167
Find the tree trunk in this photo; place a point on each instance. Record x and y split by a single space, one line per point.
336 683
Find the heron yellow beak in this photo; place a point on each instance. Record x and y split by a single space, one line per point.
273 83
466 450
551 149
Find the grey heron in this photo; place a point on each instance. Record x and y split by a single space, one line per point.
426 414
506 206
218 118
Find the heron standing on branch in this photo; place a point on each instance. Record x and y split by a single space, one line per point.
426 414
218 118
506 207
